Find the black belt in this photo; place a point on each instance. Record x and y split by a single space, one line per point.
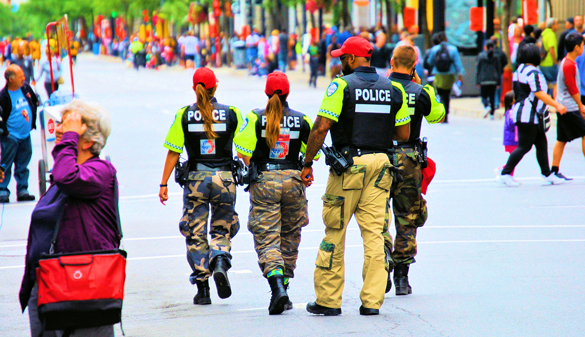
203 167
275 167
360 152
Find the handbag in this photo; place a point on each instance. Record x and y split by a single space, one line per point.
82 289
543 116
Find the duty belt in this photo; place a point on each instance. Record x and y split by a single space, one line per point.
353 151
203 167
275 167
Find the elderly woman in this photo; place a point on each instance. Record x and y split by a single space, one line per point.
83 189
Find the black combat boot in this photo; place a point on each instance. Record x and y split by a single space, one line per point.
390 263
279 296
317 309
220 268
401 279
289 304
203 296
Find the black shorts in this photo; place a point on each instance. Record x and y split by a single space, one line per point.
189 57
570 126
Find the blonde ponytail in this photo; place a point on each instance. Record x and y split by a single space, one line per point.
206 109
274 111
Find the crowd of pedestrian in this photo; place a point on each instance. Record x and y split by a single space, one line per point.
548 72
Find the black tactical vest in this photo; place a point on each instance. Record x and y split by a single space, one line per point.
288 145
367 118
413 91
213 152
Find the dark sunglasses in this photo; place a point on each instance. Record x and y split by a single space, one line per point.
342 57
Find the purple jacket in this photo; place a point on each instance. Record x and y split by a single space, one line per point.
509 130
89 220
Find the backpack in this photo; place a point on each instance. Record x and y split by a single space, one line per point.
543 51
443 59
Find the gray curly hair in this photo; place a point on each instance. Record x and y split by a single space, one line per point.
97 120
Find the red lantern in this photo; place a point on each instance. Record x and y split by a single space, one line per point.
409 17
530 12
217 12
216 4
311 6
476 19
154 19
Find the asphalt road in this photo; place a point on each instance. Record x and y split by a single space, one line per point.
493 261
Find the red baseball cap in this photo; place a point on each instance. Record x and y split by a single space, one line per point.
428 174
206 77
356 45
277 81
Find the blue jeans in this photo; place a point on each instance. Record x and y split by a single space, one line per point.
17 152
550 73
282 61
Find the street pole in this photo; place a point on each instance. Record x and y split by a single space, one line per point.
438 16
489 13
480 33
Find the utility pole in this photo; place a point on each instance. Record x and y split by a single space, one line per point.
489 13
438 16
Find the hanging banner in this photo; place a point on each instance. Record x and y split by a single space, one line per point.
409 17
476 19
530 12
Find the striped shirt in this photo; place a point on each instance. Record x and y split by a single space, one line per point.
527 81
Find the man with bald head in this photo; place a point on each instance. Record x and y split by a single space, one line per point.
25 63
408 205
18 104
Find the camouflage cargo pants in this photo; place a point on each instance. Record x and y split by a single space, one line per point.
409 207
203 190
278 211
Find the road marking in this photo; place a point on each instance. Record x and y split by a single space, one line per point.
355 246
435 182
349 229
241 271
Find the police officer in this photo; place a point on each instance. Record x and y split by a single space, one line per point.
271 141
206 129
364 112
410 210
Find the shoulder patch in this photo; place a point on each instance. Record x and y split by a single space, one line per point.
332 89
244 124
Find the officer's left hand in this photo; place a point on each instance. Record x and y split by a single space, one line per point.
307 176
416 78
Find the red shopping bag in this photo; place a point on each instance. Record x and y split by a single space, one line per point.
81 290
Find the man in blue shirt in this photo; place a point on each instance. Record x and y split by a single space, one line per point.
18 104
580 61
444 78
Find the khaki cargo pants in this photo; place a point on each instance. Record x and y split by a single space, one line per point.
363 191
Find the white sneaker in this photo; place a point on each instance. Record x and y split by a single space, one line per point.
508 180
553 179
